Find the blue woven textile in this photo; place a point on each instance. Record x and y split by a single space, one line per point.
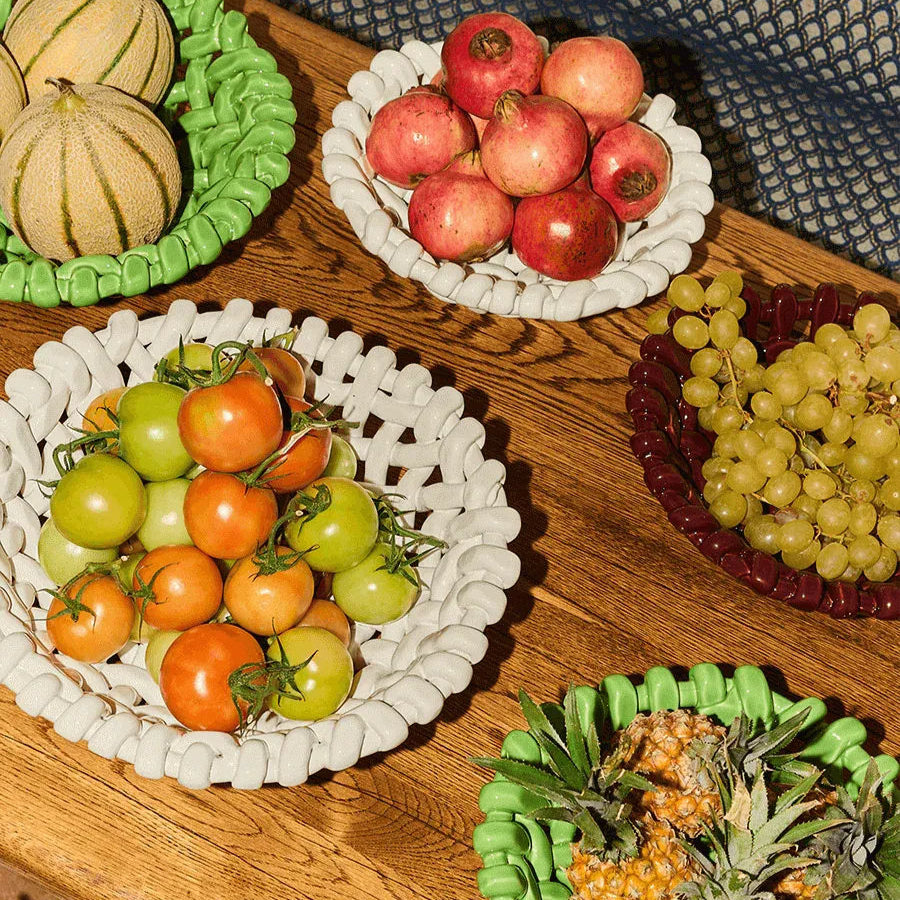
796 101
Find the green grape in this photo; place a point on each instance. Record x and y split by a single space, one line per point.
725 445
827 334
723 376
819 485
877 435
730 394
753 378
732 279
749 444
884 567
889 494
729 507
800 351
796 535
796 464
852 375
762 533
700 391
832 454
706 362
832 560
782 439
744 478
839 427
773 373
716 465
771 461
705 416
762 426
691 332
843 350
892 463
862 551
862 491
791 387
871 323
889 531
782 489
658 321
727 418
789 414
818 369
883 363
718 294
724 329
713 487
862 465
854 402
833 517
863 518
813 412
895 388
754 509
806 507
737 306
686 293
804 559
851 573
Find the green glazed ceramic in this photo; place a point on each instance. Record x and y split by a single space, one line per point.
527 860
233 115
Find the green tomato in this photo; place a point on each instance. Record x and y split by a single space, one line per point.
62 560
343 533
125 567
164 523
148 431
324 682
99 503
196 356
370 594
141 631
342 463
157 647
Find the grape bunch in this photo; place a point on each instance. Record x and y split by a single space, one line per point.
807 450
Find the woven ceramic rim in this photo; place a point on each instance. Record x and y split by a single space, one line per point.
528 859
671 448
239 128
644 264
411 439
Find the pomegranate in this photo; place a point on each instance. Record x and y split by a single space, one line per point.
480 124
599 76
487 54
533 145
568 235
416 135
458 214
630 169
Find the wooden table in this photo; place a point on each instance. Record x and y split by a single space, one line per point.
607 585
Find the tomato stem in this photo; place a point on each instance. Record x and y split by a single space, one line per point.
402 541
89 442
73 606
222 367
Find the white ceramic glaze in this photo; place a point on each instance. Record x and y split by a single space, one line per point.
650 254
412 665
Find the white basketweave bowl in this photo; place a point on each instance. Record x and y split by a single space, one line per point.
417 443
649 255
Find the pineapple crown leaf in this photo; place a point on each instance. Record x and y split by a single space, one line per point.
749 751
556 747
535 778
575 739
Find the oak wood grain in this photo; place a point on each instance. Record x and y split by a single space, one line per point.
607 585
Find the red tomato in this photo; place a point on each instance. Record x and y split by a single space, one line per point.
97 416
285 368
327 614
194 675
186 587
225 518
268 604
232 426
93 633
306 459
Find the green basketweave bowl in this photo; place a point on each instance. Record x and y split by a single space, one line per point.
233 120
527 860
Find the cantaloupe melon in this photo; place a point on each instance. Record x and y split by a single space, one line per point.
88 170
12 91
124 43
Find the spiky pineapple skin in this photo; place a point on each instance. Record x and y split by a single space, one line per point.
660 867
656 746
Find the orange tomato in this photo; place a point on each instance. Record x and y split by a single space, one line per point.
326 614
305 461
284 367
97 416
193 677
268 604
186 587
98 630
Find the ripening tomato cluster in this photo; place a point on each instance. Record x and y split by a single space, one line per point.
213 514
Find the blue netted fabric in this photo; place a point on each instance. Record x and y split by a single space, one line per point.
796 100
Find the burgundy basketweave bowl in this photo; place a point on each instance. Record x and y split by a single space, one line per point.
672 447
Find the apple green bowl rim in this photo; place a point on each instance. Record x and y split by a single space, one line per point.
527 860
233 119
